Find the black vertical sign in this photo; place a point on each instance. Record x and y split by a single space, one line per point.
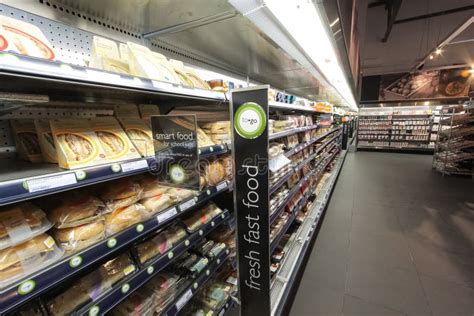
250 150
345 135
176 150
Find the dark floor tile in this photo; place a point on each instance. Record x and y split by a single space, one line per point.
358 307
381 223
315 300
447 298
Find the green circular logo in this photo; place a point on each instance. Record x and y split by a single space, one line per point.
111 243
250 120
170 255
81 175
125 288
177 174
94 310
75 261
116 168
140 228
25 185
150 270
26 287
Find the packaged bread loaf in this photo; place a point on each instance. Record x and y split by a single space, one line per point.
124 217
157 203
75 209
201 217
178 194
121 193
24 38
73 239
26 258
114 141
20 222
77 145
46 141
89 287
26 139
214 172
140 135
161 243
151 187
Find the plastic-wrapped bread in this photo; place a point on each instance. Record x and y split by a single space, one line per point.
75 209
214 172
73 239
178 194
201 217
140 135
151 187
197 81
157 203
161 243
121 193
124 217
26 139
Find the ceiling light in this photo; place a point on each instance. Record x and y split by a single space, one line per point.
431 56
334 22
438 51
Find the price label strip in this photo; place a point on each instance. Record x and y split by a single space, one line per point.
166 215
184 299
47 183
134 165
184 206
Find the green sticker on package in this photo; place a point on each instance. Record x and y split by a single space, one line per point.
250 120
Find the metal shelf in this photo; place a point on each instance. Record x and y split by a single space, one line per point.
187 293
291 132
292 107
121 291
304 145
11 298
21 181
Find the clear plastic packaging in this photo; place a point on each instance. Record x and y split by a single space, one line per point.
201 217
178 195
75 209
151 187
139 303
26 258
157 203
166 287
73 239
121 193
125 217
91 286
21 222
161 243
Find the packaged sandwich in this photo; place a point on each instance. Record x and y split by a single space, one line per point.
114 141
121 193
178 68
126 111
201 217
203 139
76 144
140 135
91 286
161 243
124 217
214 172
24 38
20 222
157 203
197 81
73 239
105 55
147 111
148 64
178 194
46 141
75 209
214 295
166 287
139 303
219 127
151 187
26 139
26 258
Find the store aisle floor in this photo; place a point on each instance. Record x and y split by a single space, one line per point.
397 239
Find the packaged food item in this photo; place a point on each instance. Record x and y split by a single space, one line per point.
148 64
76 143
203 139
203 247
214 172
178 68
24 38
140 135
73 239
151 187
124 51
201 217
114 141
26 139
191 264
216 250
215 295
219 132
121 193
46 141
126 111
105 55
197 81
161 243
178 194
157 203
27 257
124 217
20 222
166 287
147 111
75 209
91 286
217 85
139 303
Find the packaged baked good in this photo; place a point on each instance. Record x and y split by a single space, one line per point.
26 258
201 217
161 243
147 111
24 38
151 187
73 239
140 135
178 68
105 55
214 172
46 141
139 303
114 141
203 139
20 222
121 193
75 209
148 64
91 286
124 217
214 295
218 127
197 81
157 203
126 111
77 145
26 140
166 287
178 194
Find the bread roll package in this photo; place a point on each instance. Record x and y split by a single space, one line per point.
121 193
28 257
214 172
178 194
161 243
140 135
74 239
46 141
151 187
124 217
26 140
91 286
20 222
157 203
74 209
114 141
77 145
201 217
24 38
139 303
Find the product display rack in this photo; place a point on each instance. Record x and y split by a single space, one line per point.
254 220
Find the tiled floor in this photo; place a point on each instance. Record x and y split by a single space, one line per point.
397 239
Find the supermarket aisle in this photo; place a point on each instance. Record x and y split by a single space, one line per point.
397 239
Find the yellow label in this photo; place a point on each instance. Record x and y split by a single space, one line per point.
129 269
49 242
